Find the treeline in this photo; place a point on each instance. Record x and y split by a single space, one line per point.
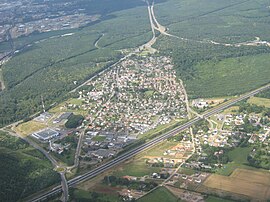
132 184
74 121
264 94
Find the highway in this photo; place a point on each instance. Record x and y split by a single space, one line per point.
147 145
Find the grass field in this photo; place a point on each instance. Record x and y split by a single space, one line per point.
240 154
159 195
29 127
216 199
186 171
238 158
230 76
99 138
259 101
160 148
136 167
59 109
231 110
254 184
82 195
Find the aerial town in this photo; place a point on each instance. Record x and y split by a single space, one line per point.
121 105
38 18
134 100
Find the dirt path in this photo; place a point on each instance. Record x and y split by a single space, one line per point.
99 38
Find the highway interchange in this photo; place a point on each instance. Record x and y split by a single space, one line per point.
93 173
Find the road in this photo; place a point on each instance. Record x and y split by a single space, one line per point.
64 184
147 145
99 38
78 150
100 73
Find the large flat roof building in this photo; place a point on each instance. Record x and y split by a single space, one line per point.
45 134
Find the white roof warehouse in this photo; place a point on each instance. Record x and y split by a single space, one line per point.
45 134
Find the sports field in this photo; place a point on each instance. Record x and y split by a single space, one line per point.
254 184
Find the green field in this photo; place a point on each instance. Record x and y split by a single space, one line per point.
99 138
160 148
81 195
24 170
159 195
137 167
238 158
239 154
217 199
265 102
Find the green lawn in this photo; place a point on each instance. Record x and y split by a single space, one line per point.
230 167
99 138
159 195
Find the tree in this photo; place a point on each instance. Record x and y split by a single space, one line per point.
74 121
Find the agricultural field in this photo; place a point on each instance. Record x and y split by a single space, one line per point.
254 184
159 195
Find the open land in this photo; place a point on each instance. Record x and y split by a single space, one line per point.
254 184
260 101
159 195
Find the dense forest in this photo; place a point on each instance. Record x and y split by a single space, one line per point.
24 168
210 52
